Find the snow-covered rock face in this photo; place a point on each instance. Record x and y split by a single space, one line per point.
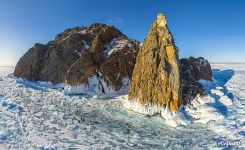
117 45
86 46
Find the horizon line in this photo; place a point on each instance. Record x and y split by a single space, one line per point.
211 62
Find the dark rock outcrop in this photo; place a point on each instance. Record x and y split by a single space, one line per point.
30 65
193 70
156 77
80 53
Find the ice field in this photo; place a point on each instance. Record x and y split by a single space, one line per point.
38 115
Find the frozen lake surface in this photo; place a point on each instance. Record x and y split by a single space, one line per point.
40 116
6 70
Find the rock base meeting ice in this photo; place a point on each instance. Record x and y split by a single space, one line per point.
38 115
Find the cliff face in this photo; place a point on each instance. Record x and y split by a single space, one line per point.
156 77
29 65
193 70
80 53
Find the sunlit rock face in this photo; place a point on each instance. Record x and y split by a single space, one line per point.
156 81
79 54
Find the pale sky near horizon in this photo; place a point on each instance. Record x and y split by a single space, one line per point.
214 29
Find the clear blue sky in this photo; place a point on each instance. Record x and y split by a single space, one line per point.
214 29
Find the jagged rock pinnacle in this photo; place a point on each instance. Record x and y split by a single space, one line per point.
160 25
161 20
156 77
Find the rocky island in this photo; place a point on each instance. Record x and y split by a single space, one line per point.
112 75
100 60
161 83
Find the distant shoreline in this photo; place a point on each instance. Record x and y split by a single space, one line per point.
227 62
210 63
7 66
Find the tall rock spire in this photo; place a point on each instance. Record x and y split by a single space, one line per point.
156 79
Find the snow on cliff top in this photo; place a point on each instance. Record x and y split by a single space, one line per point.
117 44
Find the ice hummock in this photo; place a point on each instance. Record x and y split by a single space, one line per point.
202 109
173 119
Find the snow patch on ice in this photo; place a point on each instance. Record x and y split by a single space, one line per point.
201 110
2 147
210 107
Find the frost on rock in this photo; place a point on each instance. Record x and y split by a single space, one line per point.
83 31
90 88
116 44
97 87
86 46
173 119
